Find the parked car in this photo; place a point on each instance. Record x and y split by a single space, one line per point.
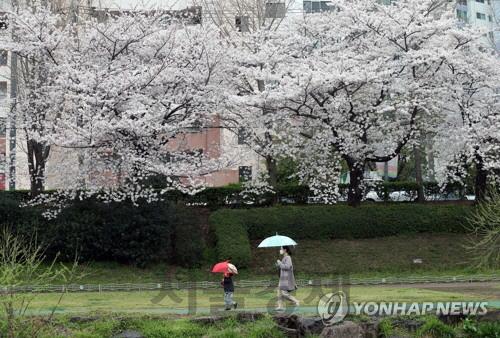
402 196
372 196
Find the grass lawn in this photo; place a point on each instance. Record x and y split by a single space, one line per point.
201 301
109 325
441 254
167 326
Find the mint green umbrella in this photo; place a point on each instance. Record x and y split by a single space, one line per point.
276 241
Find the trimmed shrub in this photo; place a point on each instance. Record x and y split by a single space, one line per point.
344 222
188 238
114 231
231 237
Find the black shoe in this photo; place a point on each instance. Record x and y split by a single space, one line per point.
227 308
235 305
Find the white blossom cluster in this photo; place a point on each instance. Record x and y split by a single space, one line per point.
356 84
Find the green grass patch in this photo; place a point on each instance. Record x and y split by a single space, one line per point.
441 254
108 325
204 300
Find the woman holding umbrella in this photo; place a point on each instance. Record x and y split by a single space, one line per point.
287 279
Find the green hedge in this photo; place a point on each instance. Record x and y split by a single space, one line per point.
231 237
236 227
342 221
122 232
188 243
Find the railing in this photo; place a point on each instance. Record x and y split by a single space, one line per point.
246 284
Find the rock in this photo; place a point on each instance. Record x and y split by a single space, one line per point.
291 333
310 326
288 324
490 316
370 329
207 320
408 324
285 320
244 317
78 319
452 319
129 334
345 329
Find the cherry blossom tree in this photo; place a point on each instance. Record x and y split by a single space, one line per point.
132 87
37 41
365 79
467 138
245 24
119 98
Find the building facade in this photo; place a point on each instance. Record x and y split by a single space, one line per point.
482 13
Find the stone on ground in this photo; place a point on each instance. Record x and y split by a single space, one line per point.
345 329
129 334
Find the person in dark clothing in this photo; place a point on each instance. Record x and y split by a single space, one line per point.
227 283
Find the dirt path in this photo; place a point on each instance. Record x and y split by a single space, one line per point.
489 289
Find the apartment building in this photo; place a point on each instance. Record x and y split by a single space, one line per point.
7 92
4 112
482 13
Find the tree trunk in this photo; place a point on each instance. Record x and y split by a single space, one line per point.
37 159
355 190
272 171
430 160
418 174
480 184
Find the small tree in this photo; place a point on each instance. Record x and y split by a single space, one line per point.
22 267
484 244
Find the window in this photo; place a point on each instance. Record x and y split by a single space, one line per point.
241 23
317 6
268 110
480 1
275 10
481 16
490 35
3 21
242 136
196 127
462 15
3 90
3 127
462 2
3 57
245 173
490 18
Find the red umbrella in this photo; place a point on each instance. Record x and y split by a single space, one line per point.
221 267
225 267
